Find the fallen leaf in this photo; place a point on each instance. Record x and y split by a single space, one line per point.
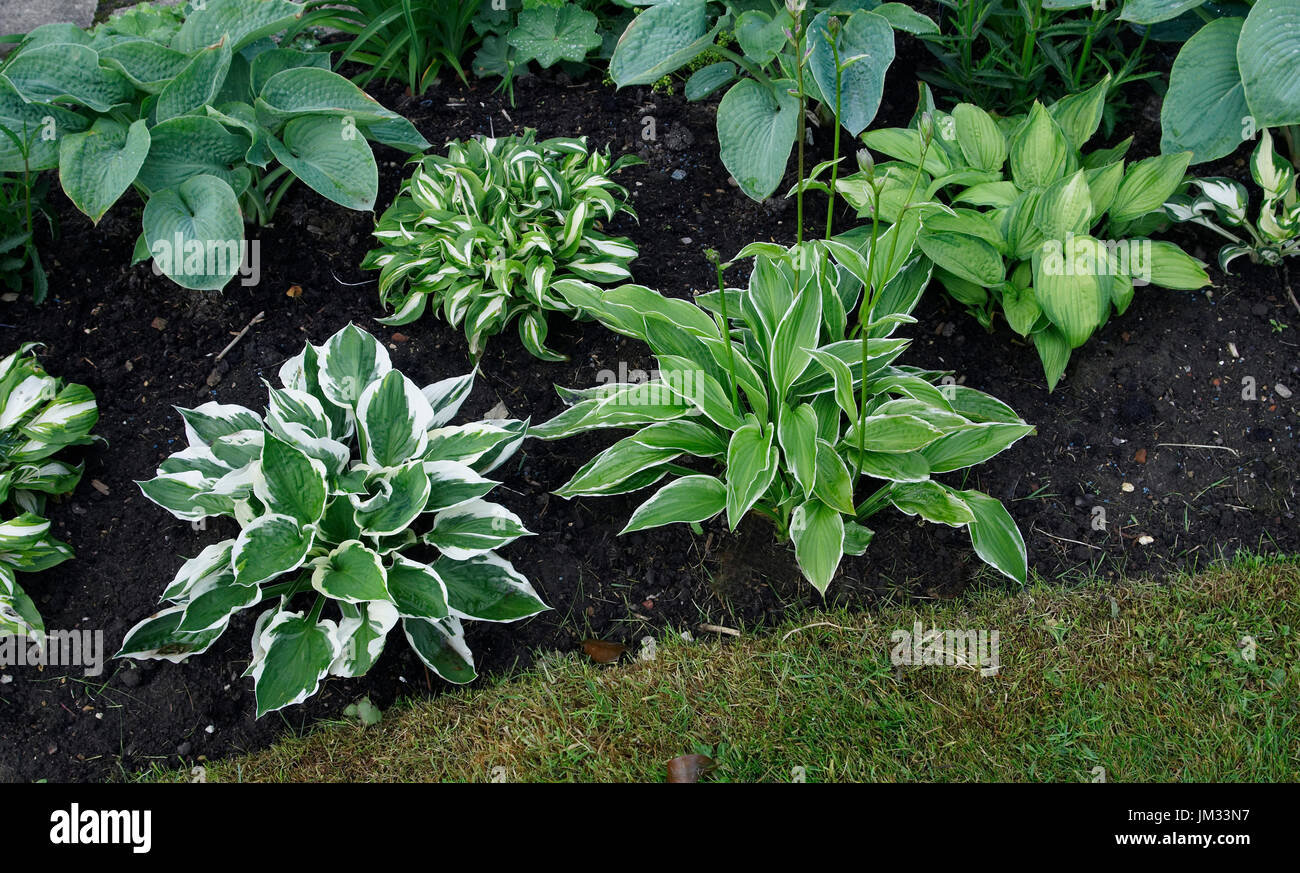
603 652
159 323
99 486
689 768
400 337
1140 456
295 291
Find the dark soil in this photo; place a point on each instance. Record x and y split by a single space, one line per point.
1154 400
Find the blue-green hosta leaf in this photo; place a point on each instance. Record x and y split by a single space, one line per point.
401 495
97 166
549 34
1206 101
195 232
1269 56
156 638
866 45
198 84
818 534
149 65
303 91
706 80
688 499
995 536
487 588
752 462
244 21
64 72
762 36
756 130
660 40
416 589
393 418
931 501
332 157
441 646
276 60
289 482
473 528
351 573
194 145
348 363
1154 11
270 546
362 632
297 654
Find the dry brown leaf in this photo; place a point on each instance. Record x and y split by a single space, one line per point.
602 651
689 768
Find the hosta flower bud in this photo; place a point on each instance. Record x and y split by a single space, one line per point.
866 163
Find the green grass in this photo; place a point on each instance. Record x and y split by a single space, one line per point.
1148 681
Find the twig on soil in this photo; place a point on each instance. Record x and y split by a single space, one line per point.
1199 446
257 319
1067 540
719 629
1286 283
350 284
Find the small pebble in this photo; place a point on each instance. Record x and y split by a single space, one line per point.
1282 390
1126 487
678 175
686 240
1145 540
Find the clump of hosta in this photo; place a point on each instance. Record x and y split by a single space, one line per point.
39 416
344 488
485 231
770 400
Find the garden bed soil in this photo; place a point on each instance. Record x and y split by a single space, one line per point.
1154 402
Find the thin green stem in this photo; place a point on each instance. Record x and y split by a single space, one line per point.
749 66
725 327
803 129
835 152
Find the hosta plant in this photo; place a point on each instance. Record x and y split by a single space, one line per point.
210 122
39 416
1220 203
1029 224
771 404
485 231
353 492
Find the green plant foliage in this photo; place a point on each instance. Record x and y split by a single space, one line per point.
1220 204
487 230
351 473
799 47
39 416
764 400
209 121
1029 225
23 199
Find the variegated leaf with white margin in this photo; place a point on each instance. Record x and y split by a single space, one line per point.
487 587
239 449
302 373
352 573
474 527
400 496
268 547
49 477
446 396
212 561
294 406
26 394
451 483
441 646
503 450
21 532
348 363
362 632
214 600
298 655
206 423
416 589
65 419
156 638
393 417
197 458
289 482
465 443
176 493
18 615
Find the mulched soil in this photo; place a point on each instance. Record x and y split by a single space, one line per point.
1153 401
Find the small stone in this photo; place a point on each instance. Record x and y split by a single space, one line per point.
497 413
678 175
1140 456
1127 487
1145 540
99 486
210 729
1282 390
6 679
159 323
686 240
400 338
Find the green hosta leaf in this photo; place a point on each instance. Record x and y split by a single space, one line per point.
441 646
1065 208
1054 352
402 494
688 499
797 434
972 445
931 501
393 418
1147 185
1069 286
982 142
473 528
1040 153
660 40
488 588
752 463
244 21
348 363
332 157
1203 110
194 145
195 232
351 573
756 130
297 654
96 167
795 338
416 589
549 34
1171 267
362 632
289 482
1079 115
818 534
968 257
867 40
995 536
65 72
1269 57
856 538
198 84
270 546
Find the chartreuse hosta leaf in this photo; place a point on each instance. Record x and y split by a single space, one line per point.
1017 218
782 425
486 232
194 110
347 486
40 415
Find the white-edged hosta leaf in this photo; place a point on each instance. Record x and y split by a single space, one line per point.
797 434
176 493
446 396
352 573
487 587
972 445
214 600
297 656
206 423
289 482
995 536
360 636
451 483
752 463
213 561
472 528
834 483
441 646
416 589
393 418
818 534
268 547
400 496
348 363
931 501
688 499
156 638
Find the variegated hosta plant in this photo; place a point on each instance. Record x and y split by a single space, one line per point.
773 404
485 231
1220 201
39 416
343 489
